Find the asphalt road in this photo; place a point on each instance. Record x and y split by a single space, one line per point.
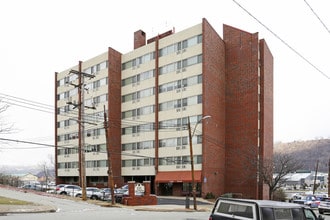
68 209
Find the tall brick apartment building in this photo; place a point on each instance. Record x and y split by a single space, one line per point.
149 94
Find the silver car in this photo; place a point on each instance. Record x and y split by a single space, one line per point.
324 205
67 189
91 192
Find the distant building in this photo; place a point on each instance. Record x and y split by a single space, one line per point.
28 178
150 93
301 180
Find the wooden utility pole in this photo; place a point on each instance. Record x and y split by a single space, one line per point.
192 166
81 136
329 177
110 175
314 185
191 134
81 130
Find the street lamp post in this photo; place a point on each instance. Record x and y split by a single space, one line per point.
192 158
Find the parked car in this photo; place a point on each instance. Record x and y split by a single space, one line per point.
67 189
229 208
91 192
324 205
118 193
139 189
309 200
29 186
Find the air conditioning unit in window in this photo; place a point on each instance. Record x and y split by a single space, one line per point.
178 167
178 109
178 52
183 166
178 71
183 147
178 148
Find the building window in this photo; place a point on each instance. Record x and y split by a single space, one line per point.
138 162
180 103
139 60
138 95
138 78
180 45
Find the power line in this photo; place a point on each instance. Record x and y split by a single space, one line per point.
317 17
284 42
26 101
26 142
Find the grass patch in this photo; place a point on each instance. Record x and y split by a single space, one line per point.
10 201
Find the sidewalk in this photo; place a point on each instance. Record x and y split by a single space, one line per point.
37 208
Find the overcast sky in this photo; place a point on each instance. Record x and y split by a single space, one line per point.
40 37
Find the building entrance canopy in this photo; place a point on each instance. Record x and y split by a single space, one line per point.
177 177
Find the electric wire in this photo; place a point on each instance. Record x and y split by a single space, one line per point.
318 17
284 42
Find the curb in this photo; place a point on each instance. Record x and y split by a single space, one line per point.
14 209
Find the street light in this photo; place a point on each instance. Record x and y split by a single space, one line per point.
192 157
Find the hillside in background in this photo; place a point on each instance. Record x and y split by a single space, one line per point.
308 152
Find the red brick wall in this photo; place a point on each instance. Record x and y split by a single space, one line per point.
139 39
266 81
146 199
114 115
213 173
241 111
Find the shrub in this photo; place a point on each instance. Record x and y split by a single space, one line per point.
209 195
279 195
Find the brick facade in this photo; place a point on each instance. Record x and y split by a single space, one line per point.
214 105
244 139
114 113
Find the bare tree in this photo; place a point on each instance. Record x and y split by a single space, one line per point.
47 169
274 172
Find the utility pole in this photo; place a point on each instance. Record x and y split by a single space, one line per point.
81 129
314 185
110 174
192 166
192 158
329 177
